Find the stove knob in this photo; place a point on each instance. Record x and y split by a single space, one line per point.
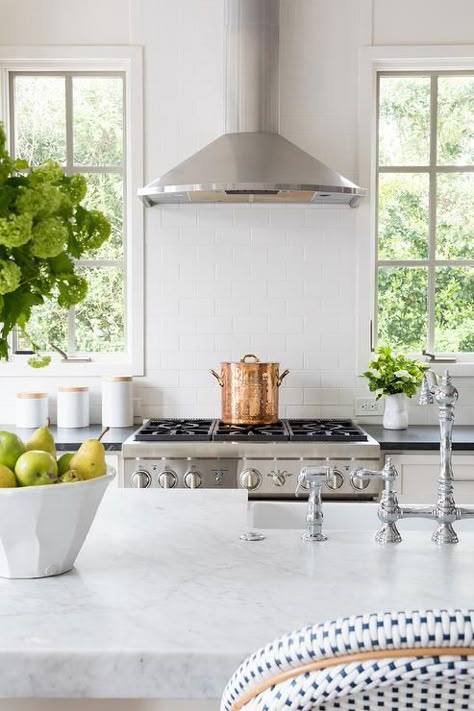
250 479
141 479
279 477
192 479
167 479
335 480
359 483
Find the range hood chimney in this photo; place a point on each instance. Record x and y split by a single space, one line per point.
251 162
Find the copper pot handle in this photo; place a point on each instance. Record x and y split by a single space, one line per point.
217 377
280 377
249 355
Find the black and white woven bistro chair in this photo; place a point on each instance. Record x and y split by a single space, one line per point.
421 660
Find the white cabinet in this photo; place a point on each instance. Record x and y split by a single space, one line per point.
419 476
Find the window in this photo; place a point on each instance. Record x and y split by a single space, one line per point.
111 157
77 119
425 211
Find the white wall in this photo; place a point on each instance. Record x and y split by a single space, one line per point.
222 281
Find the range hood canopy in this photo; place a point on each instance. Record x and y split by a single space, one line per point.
251 162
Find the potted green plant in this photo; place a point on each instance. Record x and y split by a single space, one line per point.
43 229
396 377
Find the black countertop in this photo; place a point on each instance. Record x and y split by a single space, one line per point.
420 437
416 437
70 439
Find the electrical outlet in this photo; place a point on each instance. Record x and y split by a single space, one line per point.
368 407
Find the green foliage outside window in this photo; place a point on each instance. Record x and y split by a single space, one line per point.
425 283
90 144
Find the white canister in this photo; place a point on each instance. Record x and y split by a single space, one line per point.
31 409
73 406
117 401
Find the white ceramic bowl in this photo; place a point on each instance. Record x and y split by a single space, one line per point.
42 528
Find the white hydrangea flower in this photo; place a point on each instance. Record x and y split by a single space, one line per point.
403 374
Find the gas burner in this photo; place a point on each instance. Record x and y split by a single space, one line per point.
251 433
325 431
175 430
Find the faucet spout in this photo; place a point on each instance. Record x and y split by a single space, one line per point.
428 386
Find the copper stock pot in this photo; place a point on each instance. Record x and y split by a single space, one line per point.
249 391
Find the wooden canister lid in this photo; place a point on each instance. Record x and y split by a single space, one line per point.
31 396
73 388
118 378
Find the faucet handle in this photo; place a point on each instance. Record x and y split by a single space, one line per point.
312 476
388 474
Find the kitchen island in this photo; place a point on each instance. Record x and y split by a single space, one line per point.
166 600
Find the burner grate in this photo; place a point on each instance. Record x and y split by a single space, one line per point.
325 431
175 430
206 430
251 433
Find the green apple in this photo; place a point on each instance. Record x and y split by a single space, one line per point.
36 468
11 447
7 477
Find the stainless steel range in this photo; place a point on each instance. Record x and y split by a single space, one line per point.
264 460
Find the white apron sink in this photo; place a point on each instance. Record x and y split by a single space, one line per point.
338 516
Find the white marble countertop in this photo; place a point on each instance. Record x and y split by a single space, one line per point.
165 600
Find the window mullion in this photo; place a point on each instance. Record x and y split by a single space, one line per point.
432 214
71 315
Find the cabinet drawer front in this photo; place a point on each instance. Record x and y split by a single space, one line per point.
419 477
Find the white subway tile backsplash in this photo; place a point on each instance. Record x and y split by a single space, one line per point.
231 347
268 346
286 216
250 324
288 325
178 359
213 325
303 411
215 216
196 307
253 216
270 236
178 215
228 307
233 236
195 378
254 289
291 396
213 289
197 235
341 411
224 280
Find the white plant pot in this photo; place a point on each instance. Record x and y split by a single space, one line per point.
395 416
42 528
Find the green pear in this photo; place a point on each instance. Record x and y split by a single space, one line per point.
89 460
41 440
70 476
11 447
64 461
7 477
35 468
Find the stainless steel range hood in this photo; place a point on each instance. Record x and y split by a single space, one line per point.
251 162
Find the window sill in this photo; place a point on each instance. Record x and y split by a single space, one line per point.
458 370
107 365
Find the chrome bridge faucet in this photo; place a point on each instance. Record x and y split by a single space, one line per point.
444 512
312 479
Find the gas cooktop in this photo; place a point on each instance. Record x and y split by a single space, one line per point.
207 430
